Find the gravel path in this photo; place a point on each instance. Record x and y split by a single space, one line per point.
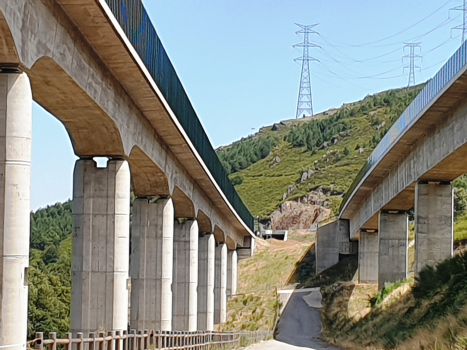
299 326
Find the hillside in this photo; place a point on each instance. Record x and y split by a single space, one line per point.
288 160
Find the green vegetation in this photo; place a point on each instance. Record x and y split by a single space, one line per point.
50 270
431 315
350 133
242 154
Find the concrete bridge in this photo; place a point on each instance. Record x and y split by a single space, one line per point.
100 68
411 168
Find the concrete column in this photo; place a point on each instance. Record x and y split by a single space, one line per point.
332 239
232 274
393 237
368 257
220 284
185 278
15 168
151 264
206 267
101 238
434 208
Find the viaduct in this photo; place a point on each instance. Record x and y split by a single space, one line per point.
411 169
100 68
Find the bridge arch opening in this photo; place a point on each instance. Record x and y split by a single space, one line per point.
204 222
91 130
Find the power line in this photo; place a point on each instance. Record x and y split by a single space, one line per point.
400 32
460 26
305 101
412 57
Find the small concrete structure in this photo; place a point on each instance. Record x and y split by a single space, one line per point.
220 284
393 241
434 203
185 277
15 167
206 273
332 239
101 246
368 257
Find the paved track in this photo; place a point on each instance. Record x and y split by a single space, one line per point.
298 328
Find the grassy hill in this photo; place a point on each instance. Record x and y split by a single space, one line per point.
334 145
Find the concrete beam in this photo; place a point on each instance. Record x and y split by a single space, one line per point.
368 252
393 241
220 284
434 209
185 277
101 238
206 268
15 167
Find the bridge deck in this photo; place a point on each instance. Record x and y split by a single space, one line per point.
121 33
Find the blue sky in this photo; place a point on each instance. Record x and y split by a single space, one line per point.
235 59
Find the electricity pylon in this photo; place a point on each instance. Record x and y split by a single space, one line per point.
460 26
305 102
412 57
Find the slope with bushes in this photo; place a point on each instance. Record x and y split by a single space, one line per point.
331 147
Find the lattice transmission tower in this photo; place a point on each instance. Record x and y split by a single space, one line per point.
412 57
305 102
461 26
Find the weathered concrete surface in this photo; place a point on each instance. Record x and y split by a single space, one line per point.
331 240
185 277
368 252
101 239
299 325
206 267
15 167
247 249
434 214
147 246
393 239
87 67
220 284
434 149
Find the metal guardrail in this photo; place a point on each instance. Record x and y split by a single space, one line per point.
455 65
135 22
149 340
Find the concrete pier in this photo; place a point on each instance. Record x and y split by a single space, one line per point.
232 273
434 209
368 257
185 277
220 284
332 239
101 219
152 222
15 166
393 240
206 267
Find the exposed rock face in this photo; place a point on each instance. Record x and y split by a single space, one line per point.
294 215
301 214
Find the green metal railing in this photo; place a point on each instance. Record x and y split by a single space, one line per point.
136 24
430 93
